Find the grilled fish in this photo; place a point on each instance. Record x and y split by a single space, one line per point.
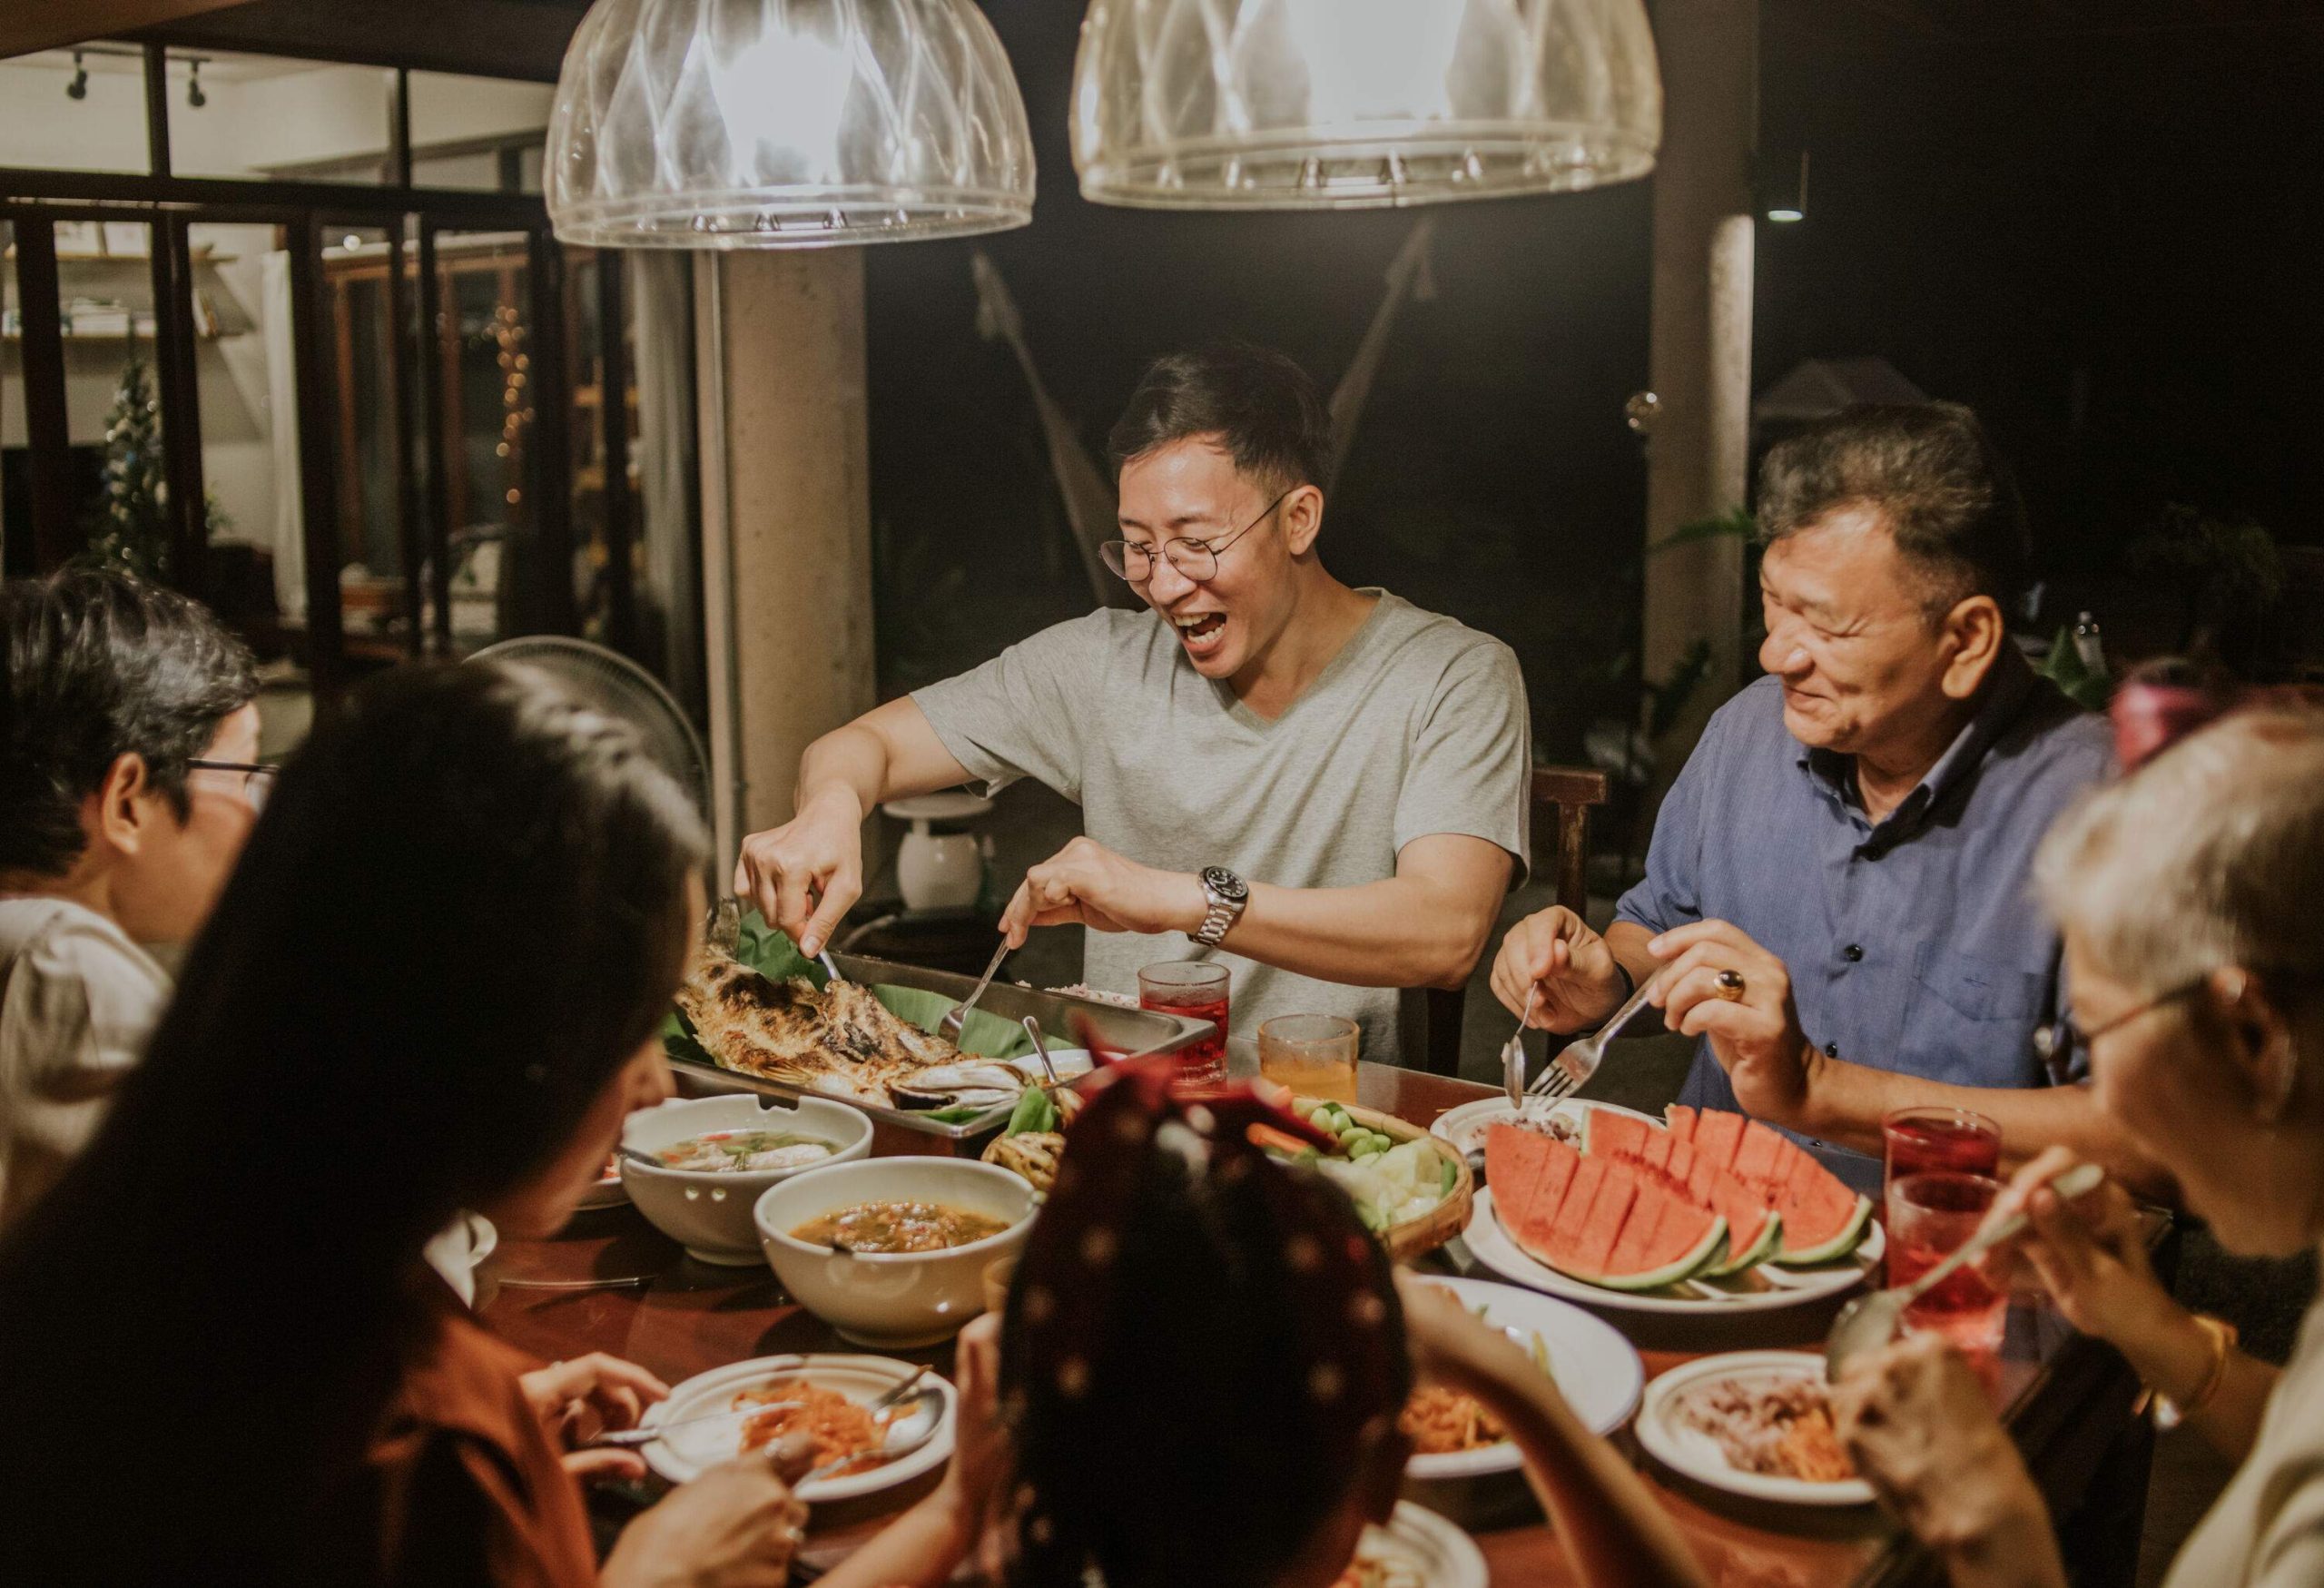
839 1040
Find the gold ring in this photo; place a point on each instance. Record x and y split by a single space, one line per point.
1728 985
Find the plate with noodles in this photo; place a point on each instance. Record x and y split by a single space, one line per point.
1597 1371
826 1397
1754 1422
1416 1549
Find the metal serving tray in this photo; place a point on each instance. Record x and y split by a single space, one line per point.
1137 1032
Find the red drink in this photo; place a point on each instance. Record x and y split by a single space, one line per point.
1195 990
1930 1217
1946 1140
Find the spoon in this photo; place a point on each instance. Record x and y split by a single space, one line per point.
888 1451
1869 1322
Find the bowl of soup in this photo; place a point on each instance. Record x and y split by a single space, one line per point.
891 1251
706 1160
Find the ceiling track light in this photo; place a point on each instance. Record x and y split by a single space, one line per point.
79 87
194 94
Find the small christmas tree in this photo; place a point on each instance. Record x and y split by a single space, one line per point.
126 529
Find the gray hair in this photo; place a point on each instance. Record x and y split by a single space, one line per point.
2210 856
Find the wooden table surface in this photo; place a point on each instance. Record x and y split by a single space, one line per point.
2064 1396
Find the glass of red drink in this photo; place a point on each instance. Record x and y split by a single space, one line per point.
1952 1139
1197 990
1931 1216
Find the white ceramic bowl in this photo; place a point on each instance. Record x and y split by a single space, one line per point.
901 1299
708 1211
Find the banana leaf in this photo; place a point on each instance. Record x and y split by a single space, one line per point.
771 954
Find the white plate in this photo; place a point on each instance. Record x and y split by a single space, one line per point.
1597 1370
1697 1456
1766 1288
1443 1556
608 1192
688 1452
1465 1127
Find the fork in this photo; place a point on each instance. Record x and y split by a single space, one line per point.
950 1027
1564 1075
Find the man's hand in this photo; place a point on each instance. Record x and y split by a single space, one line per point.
1554 952
805 874
589 1395
1087 883
1756 1038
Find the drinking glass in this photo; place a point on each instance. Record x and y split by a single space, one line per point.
1197 990
1919 1141
1931 1216
1313 1054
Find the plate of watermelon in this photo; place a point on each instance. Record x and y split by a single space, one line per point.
1711 1212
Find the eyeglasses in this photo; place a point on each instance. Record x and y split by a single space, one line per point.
258 777
2055 1044
1196 559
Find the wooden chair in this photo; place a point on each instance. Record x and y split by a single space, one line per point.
1569 792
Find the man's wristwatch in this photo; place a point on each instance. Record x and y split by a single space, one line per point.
1226 894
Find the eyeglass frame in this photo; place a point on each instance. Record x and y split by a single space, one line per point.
252 771
2054 1042
1110 550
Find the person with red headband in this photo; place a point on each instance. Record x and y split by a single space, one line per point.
1200 1370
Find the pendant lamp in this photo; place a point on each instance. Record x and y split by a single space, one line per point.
1328 104
785 123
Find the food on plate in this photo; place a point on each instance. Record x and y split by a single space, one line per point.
839 1040
1822 1219
897 1226
1638 1209
744 1151
1596 1218
1444 1422
838 1426
1777 1427
1382 1566
1096 995
1033 1154
1390 1181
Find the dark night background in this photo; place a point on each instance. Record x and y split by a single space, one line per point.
2109 242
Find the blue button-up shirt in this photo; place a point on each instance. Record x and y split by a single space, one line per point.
1914 944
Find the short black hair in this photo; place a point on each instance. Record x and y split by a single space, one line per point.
102 664
1263 407
1936 479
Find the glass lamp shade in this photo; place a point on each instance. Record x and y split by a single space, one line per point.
1323 104
785 123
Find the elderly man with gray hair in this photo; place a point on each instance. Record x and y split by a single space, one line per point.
1837 894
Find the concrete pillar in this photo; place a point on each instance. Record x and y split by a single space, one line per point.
786 518
1699 360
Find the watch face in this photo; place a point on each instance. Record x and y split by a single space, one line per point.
1224 883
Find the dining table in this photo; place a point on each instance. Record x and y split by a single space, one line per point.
610 1282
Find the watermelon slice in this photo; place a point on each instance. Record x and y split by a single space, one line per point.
1613 1135
1756 1156
1717 1133
1822 1219
1602 1219
1755 1230
1683 1122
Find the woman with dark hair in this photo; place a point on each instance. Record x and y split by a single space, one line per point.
1200 1371
433 983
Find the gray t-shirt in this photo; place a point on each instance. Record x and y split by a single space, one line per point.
1418 727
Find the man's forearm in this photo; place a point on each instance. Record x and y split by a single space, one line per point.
846 763
1402 932
1843 1104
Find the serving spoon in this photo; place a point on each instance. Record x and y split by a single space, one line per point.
1870 1322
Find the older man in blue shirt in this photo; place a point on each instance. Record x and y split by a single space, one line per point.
1837 889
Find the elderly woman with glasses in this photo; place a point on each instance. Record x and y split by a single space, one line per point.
2187 895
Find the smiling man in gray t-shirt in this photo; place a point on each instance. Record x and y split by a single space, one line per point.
1324 788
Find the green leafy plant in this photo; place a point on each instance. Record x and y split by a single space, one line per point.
126 529
2225 569
2087 688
